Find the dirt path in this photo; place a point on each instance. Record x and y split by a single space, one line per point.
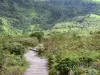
38 66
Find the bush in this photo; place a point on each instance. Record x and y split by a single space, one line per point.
11 60
38 35
14 48
24 40
28 41
84 71
2 56
86 61
65 66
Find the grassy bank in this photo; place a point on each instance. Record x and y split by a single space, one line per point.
12 49
68 53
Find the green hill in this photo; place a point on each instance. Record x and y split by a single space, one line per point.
24 14
66 32
81 25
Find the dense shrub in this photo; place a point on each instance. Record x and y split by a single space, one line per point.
14 48
24 40
2 56
12 61
38 35
28 42
65 66
76 53
86 61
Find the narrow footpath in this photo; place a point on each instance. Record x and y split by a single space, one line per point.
38 65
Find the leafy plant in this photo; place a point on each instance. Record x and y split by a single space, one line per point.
38 35
14 48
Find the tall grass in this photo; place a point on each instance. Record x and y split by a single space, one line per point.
67 52
12 50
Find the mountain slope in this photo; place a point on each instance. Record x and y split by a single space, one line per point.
22 14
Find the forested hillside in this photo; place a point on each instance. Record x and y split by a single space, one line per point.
64 32
26 15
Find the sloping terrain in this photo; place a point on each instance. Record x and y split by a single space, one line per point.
28 15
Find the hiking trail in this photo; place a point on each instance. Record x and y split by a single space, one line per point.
37 65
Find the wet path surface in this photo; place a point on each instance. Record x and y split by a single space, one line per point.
38 66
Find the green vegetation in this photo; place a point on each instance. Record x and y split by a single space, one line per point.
82 25
67 52
12 50
21 15
94 1
68 29
38 35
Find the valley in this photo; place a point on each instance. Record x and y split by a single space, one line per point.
67 33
